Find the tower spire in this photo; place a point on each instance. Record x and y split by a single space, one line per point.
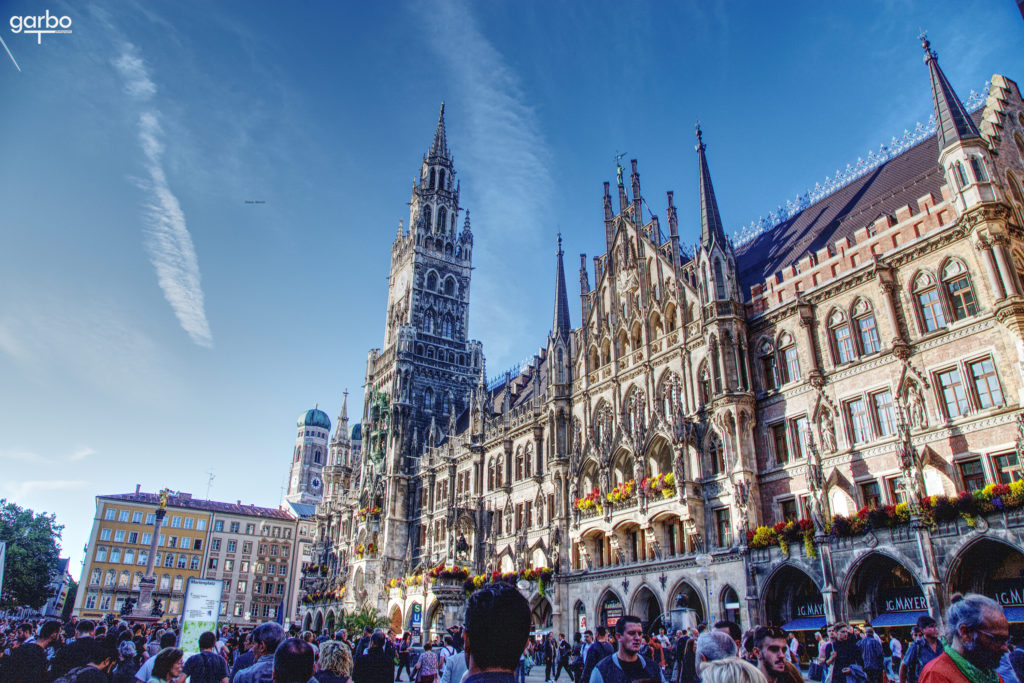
561 325
952 122
710 220
440 146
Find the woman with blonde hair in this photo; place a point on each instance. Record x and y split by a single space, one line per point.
731 670
335 663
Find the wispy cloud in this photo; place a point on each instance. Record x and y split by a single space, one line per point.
18 491
505 160
169 243
19 455
82 454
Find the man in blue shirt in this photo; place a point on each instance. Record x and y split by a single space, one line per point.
265 637
497 626
871 653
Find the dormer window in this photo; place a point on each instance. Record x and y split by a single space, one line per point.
978 167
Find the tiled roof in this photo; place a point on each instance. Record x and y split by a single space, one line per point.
899 182
206 505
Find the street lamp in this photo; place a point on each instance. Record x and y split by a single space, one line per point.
705 572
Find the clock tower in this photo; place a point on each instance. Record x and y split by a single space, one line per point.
305 483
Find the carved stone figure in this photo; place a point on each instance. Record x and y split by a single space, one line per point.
828 431
606 481
915 406
638 473
815 485
679 465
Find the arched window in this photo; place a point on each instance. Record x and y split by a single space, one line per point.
560 365
867 329
428 399
427 215
957 283
442 218
449 286
111 577
428 325
432 281
433 177
97 576
719 280
704 383
960 174
842 338
1018 196
165 582
766 356
122 580
929 306
790 365
1020 143
490 475
440 181
316 457
446 404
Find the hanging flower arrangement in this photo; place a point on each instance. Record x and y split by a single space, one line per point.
542 575
591 501
783 534
622 493
660 484
449 573
370 511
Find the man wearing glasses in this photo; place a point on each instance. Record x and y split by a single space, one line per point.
976 638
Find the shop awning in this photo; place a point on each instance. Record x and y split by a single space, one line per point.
1014 614
897 619
804 624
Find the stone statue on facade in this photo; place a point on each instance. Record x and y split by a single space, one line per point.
816 486
828 431
911 462
915 406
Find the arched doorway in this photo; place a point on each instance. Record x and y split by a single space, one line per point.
329 623
609 609
647 606
730 605
541 616
883 591
307 621
686 596
581 617
992 568
318 622
793 601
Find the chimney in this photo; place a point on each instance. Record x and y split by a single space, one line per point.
138 488
239 501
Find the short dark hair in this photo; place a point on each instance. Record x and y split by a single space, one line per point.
168 639
293 661
497 626
269 634
924 621
48 628
732 627
377 639
165 660
620 625
85 626
763 633
601 631
207 640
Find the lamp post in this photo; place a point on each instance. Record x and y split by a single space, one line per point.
705 572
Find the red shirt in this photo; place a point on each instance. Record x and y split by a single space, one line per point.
943 669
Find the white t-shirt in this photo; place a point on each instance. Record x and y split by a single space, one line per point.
897 647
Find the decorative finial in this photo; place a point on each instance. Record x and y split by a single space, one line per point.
559 241
700 137
929 53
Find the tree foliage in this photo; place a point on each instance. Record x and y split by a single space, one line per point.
69 602
32 548
359 620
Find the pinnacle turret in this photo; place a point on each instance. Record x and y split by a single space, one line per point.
952 122
439 149
710 220
561 325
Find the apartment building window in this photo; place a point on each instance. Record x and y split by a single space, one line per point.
115 555
133 537
1007 467
716 456
143 557
250 529
779 445
165 582
201 525
97 576
858 416
885 415
194 562
234 527
182 561
189 522
972 474
90 601
124 516
282 570
215 544
105 534
768 369
175 522
247 547
147 538
212 563
172 542
239 608
150 519
119 536
111 578
105 603
273 551
257 587
263 549
110 515
232 545
218 525
953 394
871 493
129 556
243 566
169 560
229 565
178 583
101 554
723 529
242 586
136 518
197 544
986 384
280 589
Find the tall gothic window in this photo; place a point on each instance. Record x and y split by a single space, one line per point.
929 305
440 181
842 339
428 398
442 218
958 288
719 280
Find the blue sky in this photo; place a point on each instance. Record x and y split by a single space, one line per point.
156 323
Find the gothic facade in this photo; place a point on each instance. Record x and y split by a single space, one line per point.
864 352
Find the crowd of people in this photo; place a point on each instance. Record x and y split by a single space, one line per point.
494 646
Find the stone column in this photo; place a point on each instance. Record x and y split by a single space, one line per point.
144 607
1005 270
990 268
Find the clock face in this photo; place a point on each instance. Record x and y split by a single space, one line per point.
316 482
401 282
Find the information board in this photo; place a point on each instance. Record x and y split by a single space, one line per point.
202 608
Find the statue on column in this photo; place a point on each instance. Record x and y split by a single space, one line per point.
915 406
911 463
828 431
741 499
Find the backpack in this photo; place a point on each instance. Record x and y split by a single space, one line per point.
799 648
72 676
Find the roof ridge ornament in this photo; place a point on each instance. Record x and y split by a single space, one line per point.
833 183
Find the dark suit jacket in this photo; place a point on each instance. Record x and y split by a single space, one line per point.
242 661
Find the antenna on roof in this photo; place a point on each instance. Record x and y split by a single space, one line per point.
209 482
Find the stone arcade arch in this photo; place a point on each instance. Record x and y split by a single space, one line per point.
792 600
318 622
881 589
609 608
330 622
307 621
541 617
685 595
991 567
395 618
647 606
